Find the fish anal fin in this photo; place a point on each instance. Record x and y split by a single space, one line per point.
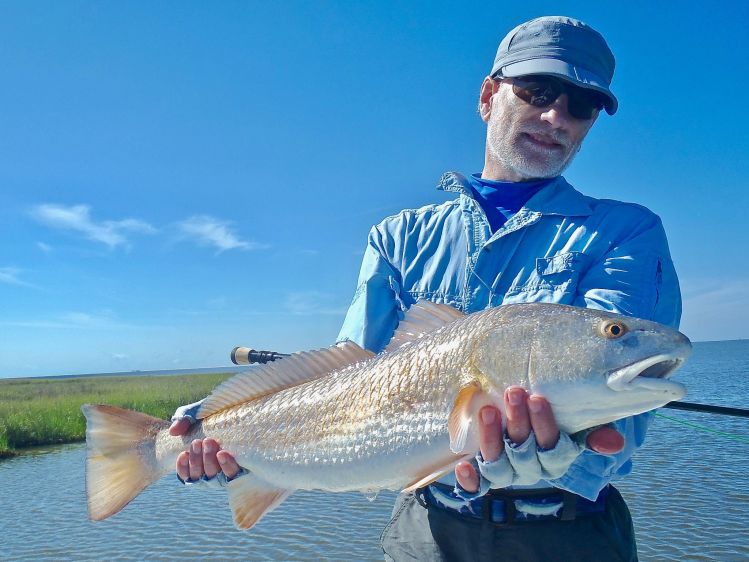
436 474
281 374
460 425
422 318
250 498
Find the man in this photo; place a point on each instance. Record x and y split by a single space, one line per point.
518 232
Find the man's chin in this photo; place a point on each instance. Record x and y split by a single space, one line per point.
541 162
538 170
530 163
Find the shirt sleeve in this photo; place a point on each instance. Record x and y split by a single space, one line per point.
637 278
376 307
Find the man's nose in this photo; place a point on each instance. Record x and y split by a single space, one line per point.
557 114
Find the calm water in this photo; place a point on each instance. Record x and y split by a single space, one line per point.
689 495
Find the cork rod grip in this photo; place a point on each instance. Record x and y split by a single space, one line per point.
248 356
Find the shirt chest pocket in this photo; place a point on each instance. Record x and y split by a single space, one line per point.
556 274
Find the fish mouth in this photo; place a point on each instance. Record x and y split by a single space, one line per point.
649 374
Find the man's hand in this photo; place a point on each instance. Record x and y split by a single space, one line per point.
205 456
524 414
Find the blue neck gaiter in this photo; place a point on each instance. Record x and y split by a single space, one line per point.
500 200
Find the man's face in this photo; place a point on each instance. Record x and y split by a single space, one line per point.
526 142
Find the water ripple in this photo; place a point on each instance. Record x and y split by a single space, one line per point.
688 495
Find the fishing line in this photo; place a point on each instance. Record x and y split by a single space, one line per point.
705 429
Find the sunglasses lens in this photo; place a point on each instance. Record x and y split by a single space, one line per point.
583 103
539 92
542 91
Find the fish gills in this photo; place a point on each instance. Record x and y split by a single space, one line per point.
560 351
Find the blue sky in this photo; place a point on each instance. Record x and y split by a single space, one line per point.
178 178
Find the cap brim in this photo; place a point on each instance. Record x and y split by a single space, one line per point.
575 74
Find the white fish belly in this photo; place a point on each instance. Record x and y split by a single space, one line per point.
391 469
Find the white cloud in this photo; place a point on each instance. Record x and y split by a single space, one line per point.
101 320
309 303
210 231
84 319
46 248
11 276
78 219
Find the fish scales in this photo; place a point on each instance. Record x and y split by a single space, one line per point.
399 419
398 402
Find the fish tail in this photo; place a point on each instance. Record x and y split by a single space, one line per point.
120 457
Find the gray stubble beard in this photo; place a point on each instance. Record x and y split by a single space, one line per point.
502 144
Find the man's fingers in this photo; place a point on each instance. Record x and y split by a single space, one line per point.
518 422
606 440
210 463
196 460
490 433
229 466
205 457
543 423
491 444
183 465
179 427
466 476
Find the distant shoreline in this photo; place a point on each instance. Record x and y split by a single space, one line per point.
47 410
139 373
225 369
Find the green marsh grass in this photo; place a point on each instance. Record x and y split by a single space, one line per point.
37 412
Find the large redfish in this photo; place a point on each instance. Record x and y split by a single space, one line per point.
343 419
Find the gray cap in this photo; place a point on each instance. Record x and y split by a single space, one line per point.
559 46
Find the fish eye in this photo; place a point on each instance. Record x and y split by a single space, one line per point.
613 329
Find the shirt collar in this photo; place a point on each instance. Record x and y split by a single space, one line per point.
557 198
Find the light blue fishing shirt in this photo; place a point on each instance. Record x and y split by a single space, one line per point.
561 247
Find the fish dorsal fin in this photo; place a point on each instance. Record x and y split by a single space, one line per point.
422 318
250 498
280 374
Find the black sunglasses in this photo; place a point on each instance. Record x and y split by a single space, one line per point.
542 91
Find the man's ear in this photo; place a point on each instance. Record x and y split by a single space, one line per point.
489 87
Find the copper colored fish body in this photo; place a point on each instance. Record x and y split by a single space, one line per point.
343 419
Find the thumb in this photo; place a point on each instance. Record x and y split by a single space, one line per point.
180 427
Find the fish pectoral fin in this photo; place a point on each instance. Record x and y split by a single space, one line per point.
250 498
469 401
436 475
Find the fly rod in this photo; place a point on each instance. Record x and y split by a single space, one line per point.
709 408
247 356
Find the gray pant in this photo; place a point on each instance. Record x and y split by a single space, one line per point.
424 532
